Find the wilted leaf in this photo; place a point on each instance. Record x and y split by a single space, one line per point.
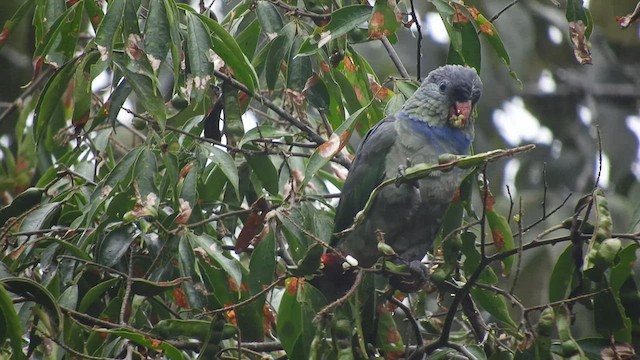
582 49
627 20
252 225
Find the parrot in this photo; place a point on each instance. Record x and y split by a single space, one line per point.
437 119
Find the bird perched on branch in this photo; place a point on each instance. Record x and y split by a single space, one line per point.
437 119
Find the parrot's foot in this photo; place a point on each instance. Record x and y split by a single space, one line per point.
414 281
402 173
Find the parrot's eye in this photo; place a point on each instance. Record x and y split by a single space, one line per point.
443 86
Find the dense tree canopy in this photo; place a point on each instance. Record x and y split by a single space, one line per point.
170 173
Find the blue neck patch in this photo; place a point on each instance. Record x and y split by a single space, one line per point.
443 138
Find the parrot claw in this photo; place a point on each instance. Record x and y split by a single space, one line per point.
414 281
401 174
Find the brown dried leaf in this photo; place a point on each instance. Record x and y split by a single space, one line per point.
251 230
618 351
581 47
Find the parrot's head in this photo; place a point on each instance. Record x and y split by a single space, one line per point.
447 96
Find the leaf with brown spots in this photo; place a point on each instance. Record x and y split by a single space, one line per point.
384 20
501 233
389 336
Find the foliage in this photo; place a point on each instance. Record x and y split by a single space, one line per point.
144 238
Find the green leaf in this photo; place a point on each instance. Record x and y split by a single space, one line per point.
248 39
69 298
16 18
233 110
93 294
117 176
300 303
145 89
112 107
226 163
187 264
59 42
49 100
469 54
608 313
41 218
37 293
563 272
10 324
446 12
106 33
199 50
472 260
144 171
342 21
214 249
230 52
624 267
115 245
278 48
269 18
157 36
161 346
325 152
298 67
263 167
494 305
21 204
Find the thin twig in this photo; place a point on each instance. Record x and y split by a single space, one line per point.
217 217
69 349
268 103
530 226
394 57
497 15
292 10
566 301
510 203
483 217
248 300
414 17
127 291
327 309
520 252
33 86
597 182
412 320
